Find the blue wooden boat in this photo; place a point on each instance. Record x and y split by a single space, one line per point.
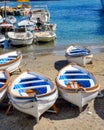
32 93
77 85
79 55
10 61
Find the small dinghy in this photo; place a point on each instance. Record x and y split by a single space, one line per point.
4 80
44 36
77 85
10 60
78 54
32 93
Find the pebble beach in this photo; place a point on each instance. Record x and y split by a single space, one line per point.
79 22
68 116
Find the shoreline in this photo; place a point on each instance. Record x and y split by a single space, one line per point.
49 48
68 117
61 51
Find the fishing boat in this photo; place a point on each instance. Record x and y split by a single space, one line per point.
79 55
10 61
76 85
20 37
40 11
32 93
4 80
44 36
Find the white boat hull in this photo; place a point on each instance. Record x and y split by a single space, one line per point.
82 60
35 107
17 39
17 42
45 39
44 36
80 99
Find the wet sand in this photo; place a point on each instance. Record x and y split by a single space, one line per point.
69 117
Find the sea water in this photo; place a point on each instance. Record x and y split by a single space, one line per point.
78 22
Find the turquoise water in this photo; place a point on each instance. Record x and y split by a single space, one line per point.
78 21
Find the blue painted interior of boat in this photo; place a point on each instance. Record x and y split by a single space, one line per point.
76 52
74 77
85 84
2 80
41 90
30 79
74 71
68 78
7 59
2 61
30 85
18 86
79 51
35 84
